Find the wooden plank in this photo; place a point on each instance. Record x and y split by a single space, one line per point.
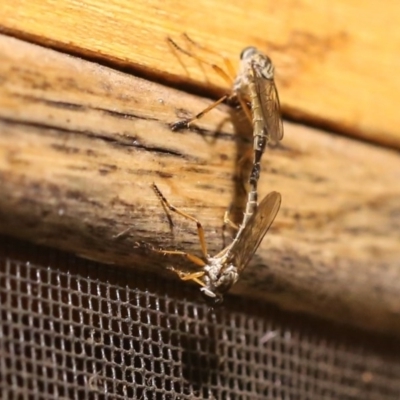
80 145
336 61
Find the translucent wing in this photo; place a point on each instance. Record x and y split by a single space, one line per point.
270 106
255 230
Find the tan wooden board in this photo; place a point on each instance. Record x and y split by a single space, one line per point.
80 145
337 62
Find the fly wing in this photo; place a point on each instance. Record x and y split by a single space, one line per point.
255 230
270 106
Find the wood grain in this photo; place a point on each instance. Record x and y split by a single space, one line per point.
80 145
336 61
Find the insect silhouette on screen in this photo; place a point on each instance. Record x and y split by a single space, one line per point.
218 273
252 85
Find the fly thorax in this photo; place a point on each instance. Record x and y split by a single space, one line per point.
241 83
244 75
221 277
266 67
218 279
228 278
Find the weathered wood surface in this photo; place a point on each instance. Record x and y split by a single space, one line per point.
336 61
80 145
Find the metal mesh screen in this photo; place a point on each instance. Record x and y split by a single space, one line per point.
77 329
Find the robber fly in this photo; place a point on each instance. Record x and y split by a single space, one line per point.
253 84
220 272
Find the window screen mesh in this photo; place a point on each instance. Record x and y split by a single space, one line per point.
77 329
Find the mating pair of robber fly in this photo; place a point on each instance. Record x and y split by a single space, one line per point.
253 85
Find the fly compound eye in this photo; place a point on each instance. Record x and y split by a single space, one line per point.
247 52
